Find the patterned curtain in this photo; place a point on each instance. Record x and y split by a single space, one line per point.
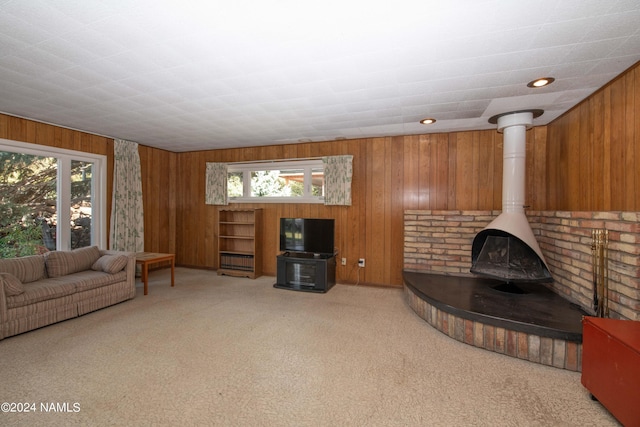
216 184
127 217
337 179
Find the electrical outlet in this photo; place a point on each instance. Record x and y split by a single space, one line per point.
344 261
361 262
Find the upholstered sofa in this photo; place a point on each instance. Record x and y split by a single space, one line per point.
39 290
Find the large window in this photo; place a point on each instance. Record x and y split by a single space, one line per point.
291 181
50 199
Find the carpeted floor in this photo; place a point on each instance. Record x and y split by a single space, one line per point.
217 350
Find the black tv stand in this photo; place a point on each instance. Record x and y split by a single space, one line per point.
304 271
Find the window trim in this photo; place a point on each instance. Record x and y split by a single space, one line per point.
307 165
98 188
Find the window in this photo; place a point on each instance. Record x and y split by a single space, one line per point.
293 181
50 198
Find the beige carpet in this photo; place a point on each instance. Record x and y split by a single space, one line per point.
217 350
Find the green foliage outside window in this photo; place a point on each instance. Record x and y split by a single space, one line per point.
234 184
29 198
287 181
27 186
269 184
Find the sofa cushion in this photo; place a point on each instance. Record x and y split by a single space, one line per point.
12 285
89 279
42 290
110 263
26 269
61 263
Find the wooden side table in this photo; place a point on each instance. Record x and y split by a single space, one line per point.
146 258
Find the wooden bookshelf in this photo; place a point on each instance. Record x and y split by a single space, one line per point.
240 242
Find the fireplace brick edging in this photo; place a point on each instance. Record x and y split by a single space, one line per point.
543 350
439 241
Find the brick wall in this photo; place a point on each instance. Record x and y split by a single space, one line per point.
440 242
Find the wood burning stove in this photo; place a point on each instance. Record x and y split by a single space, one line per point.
507 249
500 255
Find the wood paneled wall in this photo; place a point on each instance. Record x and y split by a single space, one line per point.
159 199
453 171
593 154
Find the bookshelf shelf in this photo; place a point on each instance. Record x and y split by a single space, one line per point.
240 242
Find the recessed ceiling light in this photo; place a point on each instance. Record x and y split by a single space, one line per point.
543 81
428 121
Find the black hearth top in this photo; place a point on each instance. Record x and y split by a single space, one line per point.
531 308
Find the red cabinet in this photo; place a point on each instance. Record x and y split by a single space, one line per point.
611 365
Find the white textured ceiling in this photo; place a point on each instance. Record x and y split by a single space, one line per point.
195 75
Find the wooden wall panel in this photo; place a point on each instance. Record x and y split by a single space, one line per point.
631 137
585 152
452 166
411 177
441 185
618 146
159 199
465 186
24 130
426 157
374 213
536 166
393 245
594 149
484 151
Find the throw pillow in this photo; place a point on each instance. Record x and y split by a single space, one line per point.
61 263
12 285
26 269
110 263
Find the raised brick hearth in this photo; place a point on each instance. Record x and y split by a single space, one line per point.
469 316
439 242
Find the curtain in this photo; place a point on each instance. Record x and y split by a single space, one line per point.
216 184
127 218
337 180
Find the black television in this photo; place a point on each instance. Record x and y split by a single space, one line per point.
307 235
